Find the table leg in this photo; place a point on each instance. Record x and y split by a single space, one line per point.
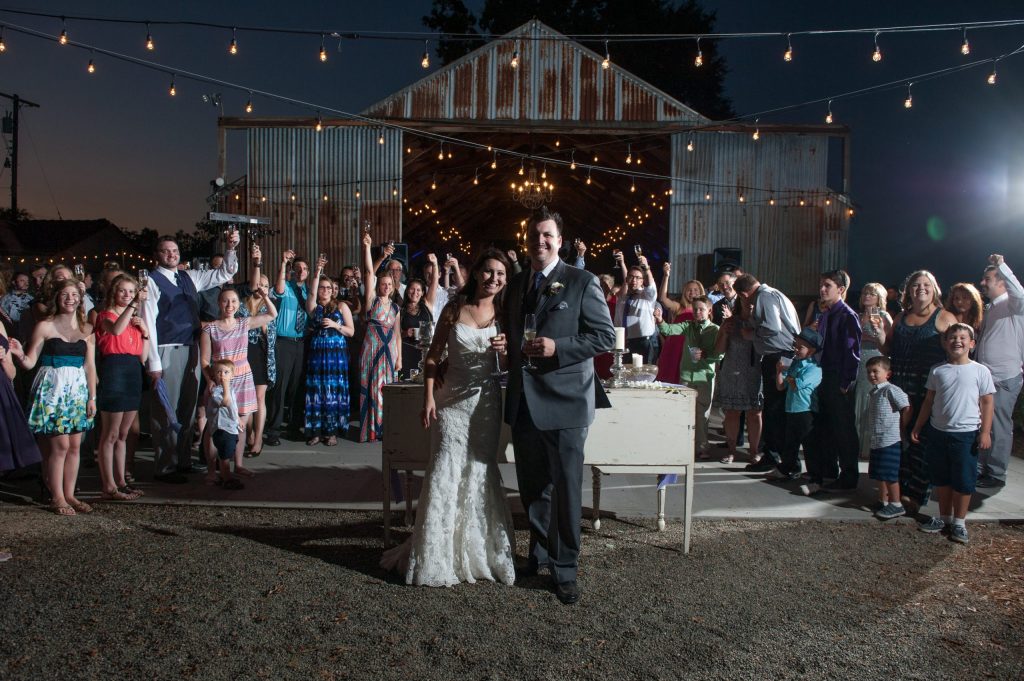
688 508
595 518
661 509
386 477
408 498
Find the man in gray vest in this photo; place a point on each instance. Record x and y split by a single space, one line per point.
171 312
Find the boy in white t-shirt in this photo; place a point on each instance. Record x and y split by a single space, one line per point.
959 405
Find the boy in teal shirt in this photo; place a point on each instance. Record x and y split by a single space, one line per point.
697 368
800 380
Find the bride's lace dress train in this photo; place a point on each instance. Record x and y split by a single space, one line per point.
463 526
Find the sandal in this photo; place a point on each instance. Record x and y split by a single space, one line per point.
315 440
116 495
132 490
331 441
253 454
63 509
80 506
728 458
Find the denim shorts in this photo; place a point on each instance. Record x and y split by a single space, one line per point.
952 459
885 463
225 443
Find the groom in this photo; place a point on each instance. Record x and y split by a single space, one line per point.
551 407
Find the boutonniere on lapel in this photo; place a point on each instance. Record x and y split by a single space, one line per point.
554 289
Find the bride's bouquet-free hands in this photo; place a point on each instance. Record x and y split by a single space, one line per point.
429 411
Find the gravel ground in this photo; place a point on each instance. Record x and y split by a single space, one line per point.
183 592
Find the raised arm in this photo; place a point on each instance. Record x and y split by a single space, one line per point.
223 274
369 272
314 286
258 320
456 272
257 263
430 297
666 272
282 271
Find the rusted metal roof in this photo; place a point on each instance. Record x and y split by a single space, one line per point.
557 80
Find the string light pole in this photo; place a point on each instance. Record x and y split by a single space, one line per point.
16 104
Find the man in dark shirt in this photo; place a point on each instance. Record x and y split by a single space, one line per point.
724 283
840 357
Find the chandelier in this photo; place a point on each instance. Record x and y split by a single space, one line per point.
531 193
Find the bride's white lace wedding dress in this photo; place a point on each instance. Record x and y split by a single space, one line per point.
463 526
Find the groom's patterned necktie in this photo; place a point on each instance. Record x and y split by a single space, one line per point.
530 304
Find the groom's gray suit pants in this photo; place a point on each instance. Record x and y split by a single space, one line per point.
549 468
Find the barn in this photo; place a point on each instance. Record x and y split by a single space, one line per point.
441 165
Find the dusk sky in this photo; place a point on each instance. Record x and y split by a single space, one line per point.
938 186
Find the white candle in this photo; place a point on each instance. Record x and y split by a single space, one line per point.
620 338
638 361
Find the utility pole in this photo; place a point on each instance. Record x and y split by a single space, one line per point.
11 127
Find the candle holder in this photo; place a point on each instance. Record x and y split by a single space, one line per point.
617 381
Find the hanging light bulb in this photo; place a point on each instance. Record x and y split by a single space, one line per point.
908 103
440 152
433 182
965 47
802 202
323 49
572 161
558 143
3 45
359 193
476 177
588 175
292 196
757 130
743 199
788 54
172 91
595 158
248 104
877 54
394 190
629 154
828 116
707 194
150 45
325 195
544 172
425 62
689 143
319 123
63 39
515 56
607 62
233 46
522 171
494 161
632 185
991 77
449 152
380 137
699 59
771 201
91 68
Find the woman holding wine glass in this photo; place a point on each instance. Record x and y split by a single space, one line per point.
463 527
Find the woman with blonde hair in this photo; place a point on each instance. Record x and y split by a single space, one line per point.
63 393
679 311
964 301
876 325
914 346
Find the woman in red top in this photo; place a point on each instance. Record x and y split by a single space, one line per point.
122 345
679 311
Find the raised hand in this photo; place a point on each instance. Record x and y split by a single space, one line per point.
996 259
233 237
658 318
256 254
289 254
666 267
581 247
432 259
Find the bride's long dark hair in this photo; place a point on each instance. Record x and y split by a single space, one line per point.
469 291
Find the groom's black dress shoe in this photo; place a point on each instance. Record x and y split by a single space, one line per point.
567 592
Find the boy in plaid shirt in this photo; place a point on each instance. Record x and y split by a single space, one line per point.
888 415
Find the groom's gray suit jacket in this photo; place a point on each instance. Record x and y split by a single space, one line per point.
572 311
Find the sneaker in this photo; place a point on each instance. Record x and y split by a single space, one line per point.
890 511
932 526
958 533
810 489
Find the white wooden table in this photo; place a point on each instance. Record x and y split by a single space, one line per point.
645 432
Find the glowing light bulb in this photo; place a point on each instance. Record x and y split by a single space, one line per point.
292 196
707 196
515 57
63 39
828 116
699 59
91 68
850 212
440 154
172 91
521 171
325 196
323 50
788 54
3 45
629 155
380 138
494 162
150 45
319 124
689 144
358 192
394 190
965 47
876 56
771 201
607 61
632 187
588 178
908 103
991 77
742 198
425 62
233 46
757 134
802 202
248 104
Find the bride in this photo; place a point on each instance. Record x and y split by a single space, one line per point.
463 526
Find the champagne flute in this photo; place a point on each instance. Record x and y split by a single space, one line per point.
498 372
143 277
79 271
529 334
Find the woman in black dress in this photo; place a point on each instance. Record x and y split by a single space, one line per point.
414 312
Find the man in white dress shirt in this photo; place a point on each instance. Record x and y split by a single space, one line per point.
171 311
1001 349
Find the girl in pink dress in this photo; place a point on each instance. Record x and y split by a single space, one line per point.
228 338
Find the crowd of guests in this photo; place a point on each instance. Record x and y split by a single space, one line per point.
223 368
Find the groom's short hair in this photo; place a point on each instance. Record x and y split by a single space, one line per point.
542 214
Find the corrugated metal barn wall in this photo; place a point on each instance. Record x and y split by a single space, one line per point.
784 245
336 162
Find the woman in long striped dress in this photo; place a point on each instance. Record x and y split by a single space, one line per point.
228 338
381 358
